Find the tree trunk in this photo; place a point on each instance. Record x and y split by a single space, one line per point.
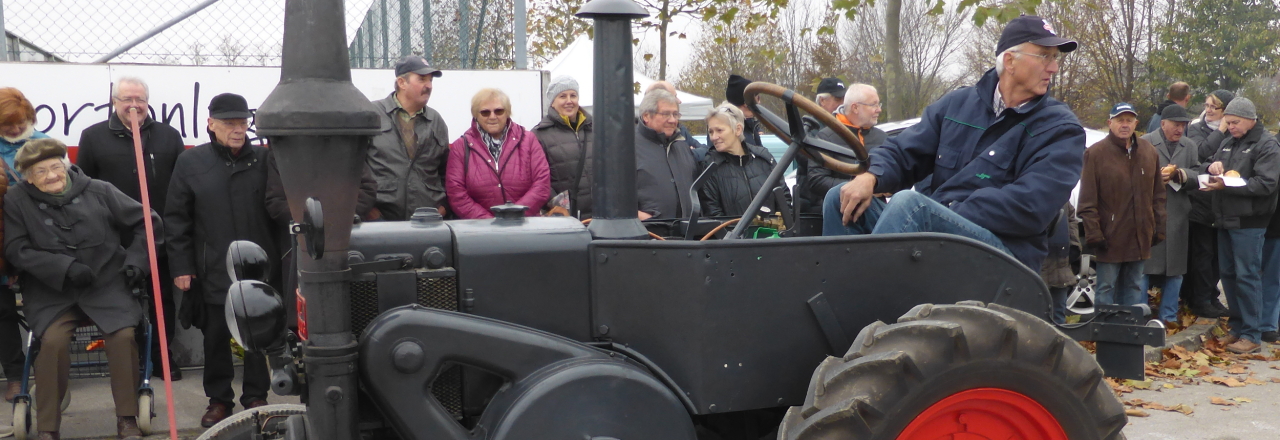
664 20
893 61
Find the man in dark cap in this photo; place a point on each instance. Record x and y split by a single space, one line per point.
1003 156
830 94
408 157
215 198
1178 175
733 94
106 153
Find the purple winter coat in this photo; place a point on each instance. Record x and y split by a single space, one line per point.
522 176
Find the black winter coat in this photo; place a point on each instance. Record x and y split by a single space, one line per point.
820 180
45 234
215 199
569 156
664 173
106 153
1256 156
728 190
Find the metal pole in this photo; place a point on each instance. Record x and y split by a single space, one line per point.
4 36
427 48
521 30
156 30
386 42
404 28
614 161
464 29
475 50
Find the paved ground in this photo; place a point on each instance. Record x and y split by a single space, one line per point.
92 413
1249 412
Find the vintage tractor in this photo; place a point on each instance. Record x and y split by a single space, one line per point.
543 328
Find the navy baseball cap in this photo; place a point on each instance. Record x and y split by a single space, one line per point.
1122 108
1035 30
416 64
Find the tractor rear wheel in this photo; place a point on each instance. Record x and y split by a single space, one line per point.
262 422
959 371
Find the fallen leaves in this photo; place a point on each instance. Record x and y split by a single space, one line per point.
1220 401
1228 381
1139 405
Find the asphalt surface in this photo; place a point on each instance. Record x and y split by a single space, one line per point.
92 412
1246 411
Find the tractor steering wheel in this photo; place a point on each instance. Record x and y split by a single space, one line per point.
826 154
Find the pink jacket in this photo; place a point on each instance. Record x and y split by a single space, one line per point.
521 177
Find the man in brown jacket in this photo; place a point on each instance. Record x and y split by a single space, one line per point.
1122 206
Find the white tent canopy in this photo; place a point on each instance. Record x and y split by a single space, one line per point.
578 60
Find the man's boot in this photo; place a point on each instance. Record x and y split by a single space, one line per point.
127 428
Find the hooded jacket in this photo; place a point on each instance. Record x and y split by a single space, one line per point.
1122 199
569 154
106 153
9 149
664 173
44 234
216 198
407 183
1256 156
476 181
1009 173
728 190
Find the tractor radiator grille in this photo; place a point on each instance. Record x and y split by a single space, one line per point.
436 293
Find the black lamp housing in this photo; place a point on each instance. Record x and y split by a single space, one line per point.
256 314
247 261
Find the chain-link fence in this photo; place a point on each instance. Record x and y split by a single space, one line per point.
459 33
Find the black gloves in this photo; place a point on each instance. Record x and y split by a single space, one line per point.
135 276
192 310
79 275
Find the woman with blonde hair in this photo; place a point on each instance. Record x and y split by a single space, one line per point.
741 168
496 161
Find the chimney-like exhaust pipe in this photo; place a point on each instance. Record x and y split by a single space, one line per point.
614 161
319 127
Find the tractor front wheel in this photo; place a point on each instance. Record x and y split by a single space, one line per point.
959 371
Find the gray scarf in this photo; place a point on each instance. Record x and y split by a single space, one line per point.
495 145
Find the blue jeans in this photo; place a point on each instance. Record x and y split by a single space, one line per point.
1240 261
909 211
1120 284
1060 295
1169 292
1270 284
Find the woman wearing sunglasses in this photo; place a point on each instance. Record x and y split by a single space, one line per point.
496 161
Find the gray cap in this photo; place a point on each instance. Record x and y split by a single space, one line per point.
560 84
1242 107
1175 113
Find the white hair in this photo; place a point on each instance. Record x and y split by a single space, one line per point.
857 92
821 96
130 80
1015 50
649 104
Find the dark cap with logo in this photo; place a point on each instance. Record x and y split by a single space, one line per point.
834 86
1122 108
1035 30
1175 113
416 64
229 106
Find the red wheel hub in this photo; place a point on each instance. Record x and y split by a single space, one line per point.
985 414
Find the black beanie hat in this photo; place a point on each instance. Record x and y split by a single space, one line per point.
733 93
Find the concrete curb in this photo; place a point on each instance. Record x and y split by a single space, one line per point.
1192 339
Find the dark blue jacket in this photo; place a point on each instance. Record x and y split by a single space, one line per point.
1008 173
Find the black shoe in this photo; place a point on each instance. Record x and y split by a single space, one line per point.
1207 310
1271 337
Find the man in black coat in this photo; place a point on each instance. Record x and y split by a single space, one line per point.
106 153
217 197
664 162
859 113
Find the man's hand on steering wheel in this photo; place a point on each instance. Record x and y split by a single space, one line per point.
856 196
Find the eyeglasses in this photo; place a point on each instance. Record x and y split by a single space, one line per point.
496 112
876 105
1044 59
1212 107
132 100
666 115
54 169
